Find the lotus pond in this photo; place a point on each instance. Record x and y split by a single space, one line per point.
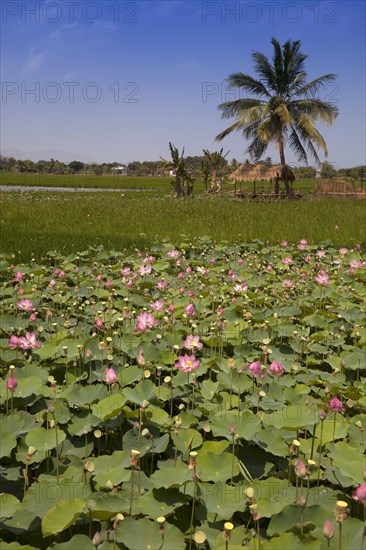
199 396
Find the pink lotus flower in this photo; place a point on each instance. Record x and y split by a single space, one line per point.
32 317
276 369
300 468
25 305
360 494
161 285
52 283
145 321
110 376
322 278
192 342
328 529
158 305
14 342
99 323
18 277
187 363
287 283
173 253
335 405
284 243
287 261
29 341
144 270
190 310
255 369
11 383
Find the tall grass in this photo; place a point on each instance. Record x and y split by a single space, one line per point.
33 224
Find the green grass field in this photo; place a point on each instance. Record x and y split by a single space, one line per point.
34 223
156 184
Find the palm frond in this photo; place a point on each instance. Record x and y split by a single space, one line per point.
296 146
247 83
316 108
313 87
265 70
238 106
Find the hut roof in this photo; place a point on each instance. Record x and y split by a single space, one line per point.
262 172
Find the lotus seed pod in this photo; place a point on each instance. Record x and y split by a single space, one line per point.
89 467
199 537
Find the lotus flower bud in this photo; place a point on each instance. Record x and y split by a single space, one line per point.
328 529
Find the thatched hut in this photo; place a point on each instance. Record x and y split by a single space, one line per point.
336 187
273 173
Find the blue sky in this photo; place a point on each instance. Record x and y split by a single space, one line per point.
112 80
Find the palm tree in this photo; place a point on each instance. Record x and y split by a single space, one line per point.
183 183
286 107
216 160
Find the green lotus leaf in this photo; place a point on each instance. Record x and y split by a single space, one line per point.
355 359
16 546
222 499
143 391
19 522
217 447
119 459
43 439
77 542
272 442
115 475
187 440
352 534
208 389
25 388
215 467
245 426
9 504
103 506
109 407
84 395
171 474
61 516
339 428
144 534
7 444
349 463
50 350
159 417
293 417
44 495
289 540
80 424
290 516
130 375
160 502
151 352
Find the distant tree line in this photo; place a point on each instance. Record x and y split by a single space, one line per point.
196 166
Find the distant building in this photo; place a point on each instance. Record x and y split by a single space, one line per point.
121 170
318 173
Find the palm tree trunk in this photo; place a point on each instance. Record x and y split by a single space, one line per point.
283 162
